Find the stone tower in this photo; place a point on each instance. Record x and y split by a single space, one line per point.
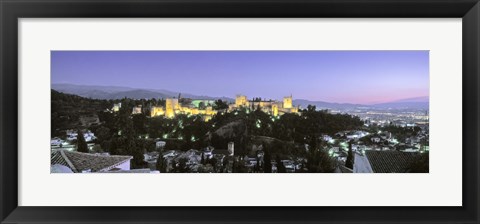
241 101
287 102
170 106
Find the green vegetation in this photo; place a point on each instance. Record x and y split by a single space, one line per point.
282 137
420 165
81 143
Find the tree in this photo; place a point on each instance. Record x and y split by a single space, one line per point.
104 136
160 165
131 145
267 160
420 164
81 143
213 161
97 148
181 166
220 105
201 106
280 167
349 162
237 166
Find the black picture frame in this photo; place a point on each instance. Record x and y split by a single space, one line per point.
12 10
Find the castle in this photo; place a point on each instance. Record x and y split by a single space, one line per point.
272 107
173 107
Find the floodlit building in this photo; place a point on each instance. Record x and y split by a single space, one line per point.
157 111
116 107
287 102
137 109
204 107
241 101
171 106
272 107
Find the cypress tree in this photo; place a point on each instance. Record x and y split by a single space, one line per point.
349 162
267 160
81 143
161 166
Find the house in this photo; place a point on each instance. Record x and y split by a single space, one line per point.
375 139
87 135
352 136
137 109
160 144
327 138
151 157
56 142
289 165
116 107
170 153
79 162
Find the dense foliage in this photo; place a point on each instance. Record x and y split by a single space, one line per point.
125 134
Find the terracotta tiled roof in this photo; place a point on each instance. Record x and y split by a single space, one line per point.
390 161
78 161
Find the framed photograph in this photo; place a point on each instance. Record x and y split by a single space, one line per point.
239 111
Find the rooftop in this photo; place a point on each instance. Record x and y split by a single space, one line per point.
390 161
78 161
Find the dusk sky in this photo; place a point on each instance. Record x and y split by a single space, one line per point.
363 77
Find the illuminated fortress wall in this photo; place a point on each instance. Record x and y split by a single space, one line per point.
173 107
157 111
275 110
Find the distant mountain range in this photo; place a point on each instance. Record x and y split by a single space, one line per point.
117 92
415 103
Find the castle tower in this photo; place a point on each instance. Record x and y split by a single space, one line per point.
241 101
231 148
287 102
170 106
274 109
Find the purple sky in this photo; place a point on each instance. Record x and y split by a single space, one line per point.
333 76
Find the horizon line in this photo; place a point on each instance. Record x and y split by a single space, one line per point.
142 88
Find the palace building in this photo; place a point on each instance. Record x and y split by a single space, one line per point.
204 107
272 107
